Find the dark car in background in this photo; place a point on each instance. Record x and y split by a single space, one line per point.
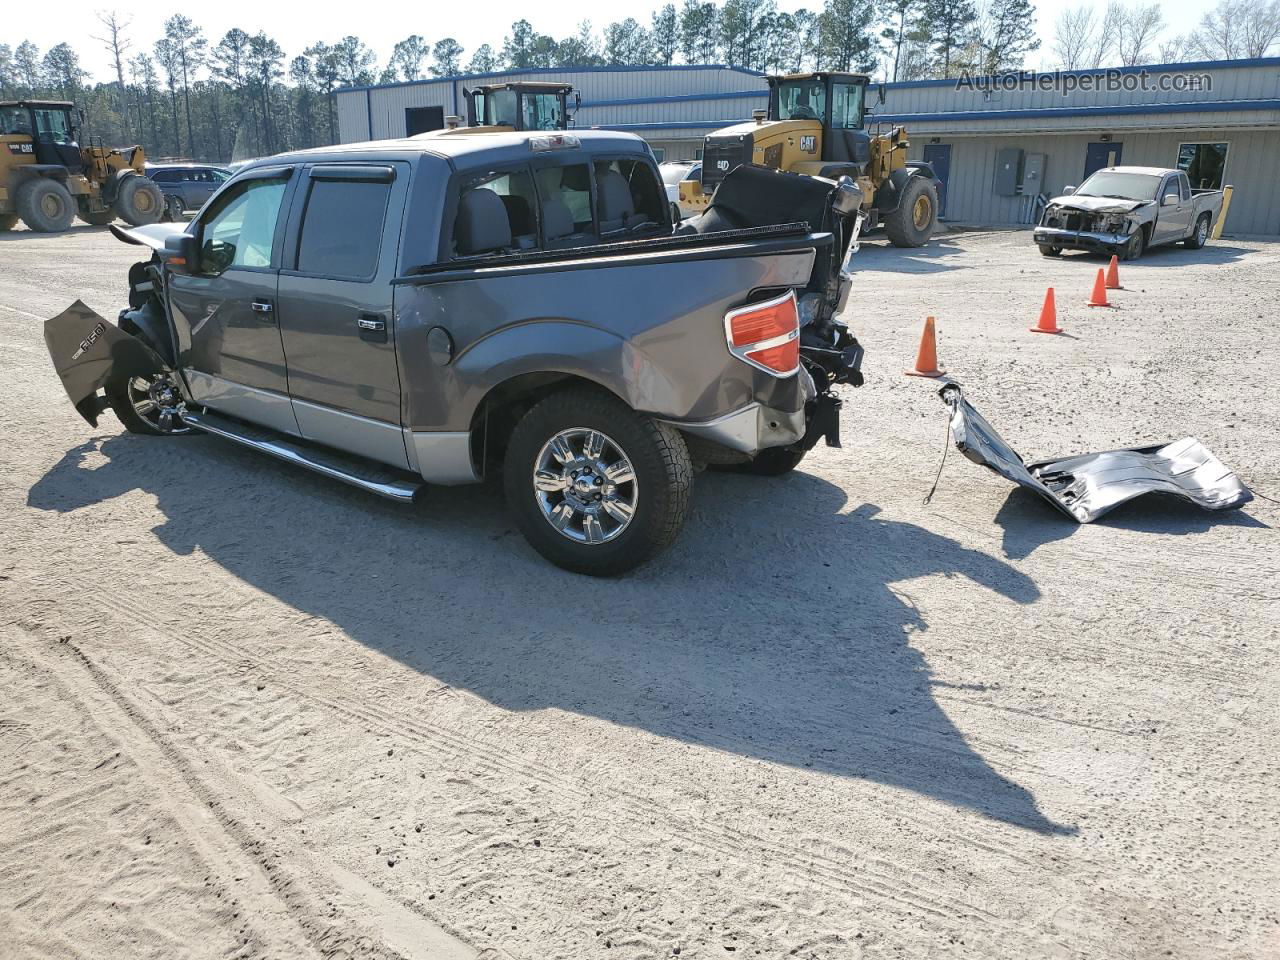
186 186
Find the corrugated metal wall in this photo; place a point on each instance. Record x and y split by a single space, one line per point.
1255 208
1258 80
677 95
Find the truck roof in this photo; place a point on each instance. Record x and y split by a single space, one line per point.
1145 171
468 148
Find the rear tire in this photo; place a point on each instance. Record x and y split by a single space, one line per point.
557 493
1047 250
45 205
1200 235
139 201
911 225
172 209
774 462
133 400
8 221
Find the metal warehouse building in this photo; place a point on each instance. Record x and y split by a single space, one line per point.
997 149
671 107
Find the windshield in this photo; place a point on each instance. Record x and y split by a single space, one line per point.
802 100
1123 186
673 173
542 111
500 105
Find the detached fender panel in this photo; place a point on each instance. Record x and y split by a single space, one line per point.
151 235
87 351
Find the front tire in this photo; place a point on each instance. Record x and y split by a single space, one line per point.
595 487
139 201
1136 246
1200 235
911 225
8 221
45 205
147 405
97 218
1047 250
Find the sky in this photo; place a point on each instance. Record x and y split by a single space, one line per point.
294 26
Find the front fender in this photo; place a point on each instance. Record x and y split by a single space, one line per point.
87 351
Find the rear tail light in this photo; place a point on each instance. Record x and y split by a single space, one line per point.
766 335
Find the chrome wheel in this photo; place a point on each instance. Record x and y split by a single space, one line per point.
158 402
585 485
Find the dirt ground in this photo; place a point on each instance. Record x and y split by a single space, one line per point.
248 712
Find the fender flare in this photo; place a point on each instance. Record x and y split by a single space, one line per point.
889 193
562 347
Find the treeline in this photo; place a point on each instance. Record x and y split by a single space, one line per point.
243 95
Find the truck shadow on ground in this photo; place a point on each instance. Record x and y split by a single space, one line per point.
776 628
1029 522
34 236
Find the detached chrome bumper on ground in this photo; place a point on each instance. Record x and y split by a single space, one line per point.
1085 487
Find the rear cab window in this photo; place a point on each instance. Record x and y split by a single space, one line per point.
564 193
630 198
496 214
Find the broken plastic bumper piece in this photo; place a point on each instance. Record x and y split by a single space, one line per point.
1089 485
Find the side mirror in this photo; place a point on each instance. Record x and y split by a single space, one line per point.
182 253
1169 200
1068 191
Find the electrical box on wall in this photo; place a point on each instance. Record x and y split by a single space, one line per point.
1033 165
1008 171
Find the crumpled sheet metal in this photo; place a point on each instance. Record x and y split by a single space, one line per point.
1087 486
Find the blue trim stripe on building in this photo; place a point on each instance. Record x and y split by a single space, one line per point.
543 70
1104 71
681 98
1197 106
664 125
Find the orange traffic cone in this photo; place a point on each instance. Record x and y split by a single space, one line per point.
1099 298
1113 274
1048 315
927 357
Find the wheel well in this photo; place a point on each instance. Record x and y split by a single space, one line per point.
502 407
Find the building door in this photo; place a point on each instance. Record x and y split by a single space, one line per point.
1099 155
423 119
938 156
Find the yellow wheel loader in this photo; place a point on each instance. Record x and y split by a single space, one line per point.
815 126
47 179
507 107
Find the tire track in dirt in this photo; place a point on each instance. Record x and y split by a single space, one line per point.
301 926
428 738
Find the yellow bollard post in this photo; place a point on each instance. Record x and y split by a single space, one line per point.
1222 217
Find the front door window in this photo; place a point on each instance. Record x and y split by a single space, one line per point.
239 232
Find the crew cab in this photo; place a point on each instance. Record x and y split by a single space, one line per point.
1126 210
430 310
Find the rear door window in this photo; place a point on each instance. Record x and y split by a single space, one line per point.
342 228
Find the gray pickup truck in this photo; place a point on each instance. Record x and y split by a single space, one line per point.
430 310
1125 210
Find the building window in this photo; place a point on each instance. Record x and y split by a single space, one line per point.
1203 163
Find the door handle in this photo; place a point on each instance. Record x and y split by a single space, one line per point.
372 327
264 310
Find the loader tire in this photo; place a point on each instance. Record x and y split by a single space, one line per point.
45 205
139 201
912 223
8 221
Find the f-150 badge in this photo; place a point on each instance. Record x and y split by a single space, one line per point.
90 340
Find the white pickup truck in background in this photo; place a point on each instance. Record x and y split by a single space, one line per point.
1125 210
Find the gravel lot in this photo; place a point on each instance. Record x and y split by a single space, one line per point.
248 712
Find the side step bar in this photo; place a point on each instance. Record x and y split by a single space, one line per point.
366 475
